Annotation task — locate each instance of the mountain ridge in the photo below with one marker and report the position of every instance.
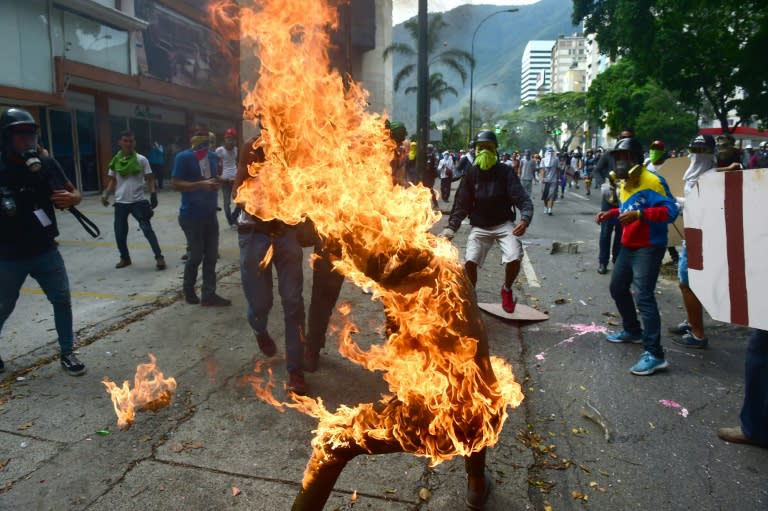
(499, 49)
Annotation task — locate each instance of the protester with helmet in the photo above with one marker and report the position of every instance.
(227, 171)
(31, 187)
(488, 195)
(646, 206)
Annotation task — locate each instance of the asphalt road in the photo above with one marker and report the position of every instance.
(660, 451)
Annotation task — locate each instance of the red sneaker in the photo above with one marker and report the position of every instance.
(507, 300)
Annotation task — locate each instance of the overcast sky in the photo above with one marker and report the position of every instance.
(405, 9)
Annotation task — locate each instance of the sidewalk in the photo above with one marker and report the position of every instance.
(217, 438)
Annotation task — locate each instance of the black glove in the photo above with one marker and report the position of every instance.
(153, 200)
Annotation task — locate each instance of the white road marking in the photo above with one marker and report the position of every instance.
(530, 274)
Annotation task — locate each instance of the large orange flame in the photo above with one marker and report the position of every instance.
(328, 159)
(151, 392)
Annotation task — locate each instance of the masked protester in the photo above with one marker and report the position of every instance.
(127, 172)
(488, 195)
(645, 208)
(656, 156)
(194, 175)
(31, 187)
(702, 160)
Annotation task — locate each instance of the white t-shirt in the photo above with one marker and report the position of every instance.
(228, 162)
(130, 189)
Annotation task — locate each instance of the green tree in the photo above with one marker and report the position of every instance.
(437, 88)
(621, 97)
(451, 58)
(695, 48)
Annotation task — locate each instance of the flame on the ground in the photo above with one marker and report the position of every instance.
(328, 159)
(151, 392)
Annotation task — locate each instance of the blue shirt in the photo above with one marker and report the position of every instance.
(196, 203)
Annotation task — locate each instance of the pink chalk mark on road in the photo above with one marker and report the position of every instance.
(580, 329)
(675, 405)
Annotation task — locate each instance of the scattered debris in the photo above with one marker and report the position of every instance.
(578, 495)
(590, 412)
(236, 491)
(425, 494)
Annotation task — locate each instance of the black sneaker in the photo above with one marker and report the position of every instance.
(72, 365)
(266, 343)
(215, 301)
(191, 298)
(680, 329)
(2, 365)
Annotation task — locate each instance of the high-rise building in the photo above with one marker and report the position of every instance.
(569, 64)
(536, 70)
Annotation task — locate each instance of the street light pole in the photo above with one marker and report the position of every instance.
(472, 65)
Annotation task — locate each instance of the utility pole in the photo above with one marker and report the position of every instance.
(422, 101)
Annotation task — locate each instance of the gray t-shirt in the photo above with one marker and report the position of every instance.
(529, 168)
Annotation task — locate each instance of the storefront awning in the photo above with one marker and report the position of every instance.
(143, 89)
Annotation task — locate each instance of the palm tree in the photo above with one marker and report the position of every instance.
(452, 58)
(437, 88)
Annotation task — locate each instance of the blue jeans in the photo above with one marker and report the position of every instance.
(609, 227)
(326, 287)
(142, 212)
(287, 258)
(754, 412)
(639, 266)
(226, 199)
(202, 235)
(49, 271)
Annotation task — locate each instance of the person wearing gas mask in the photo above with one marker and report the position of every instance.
(645, 208)
(127, 172)
(31, 187)
(194, 175)
(488, 195)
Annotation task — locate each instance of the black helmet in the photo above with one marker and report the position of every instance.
(633, 146)
(703, 144)
(487, 136)
(14, 117)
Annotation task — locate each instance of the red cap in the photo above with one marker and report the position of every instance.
(657, 144)
(230, 133)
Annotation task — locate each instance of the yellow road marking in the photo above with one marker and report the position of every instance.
(94, 294)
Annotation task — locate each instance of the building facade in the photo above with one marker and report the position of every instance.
(536, 73)
(89, 69)
(569, 64)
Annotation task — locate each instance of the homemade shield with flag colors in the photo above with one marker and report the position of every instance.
(726, 235)
(328, 159)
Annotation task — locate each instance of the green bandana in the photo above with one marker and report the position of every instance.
(486, 159)
(655, 155)
(125, 165)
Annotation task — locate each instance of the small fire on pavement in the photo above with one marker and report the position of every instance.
(151, 392)
(328, 159)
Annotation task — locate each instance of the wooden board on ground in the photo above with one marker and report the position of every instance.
(522, 312)
(673, 170)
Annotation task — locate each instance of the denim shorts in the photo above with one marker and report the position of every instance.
(682, 266)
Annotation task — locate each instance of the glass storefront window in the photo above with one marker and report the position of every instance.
(84, 40)
(25, 49)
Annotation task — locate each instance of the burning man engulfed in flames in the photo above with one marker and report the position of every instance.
(327, 159)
